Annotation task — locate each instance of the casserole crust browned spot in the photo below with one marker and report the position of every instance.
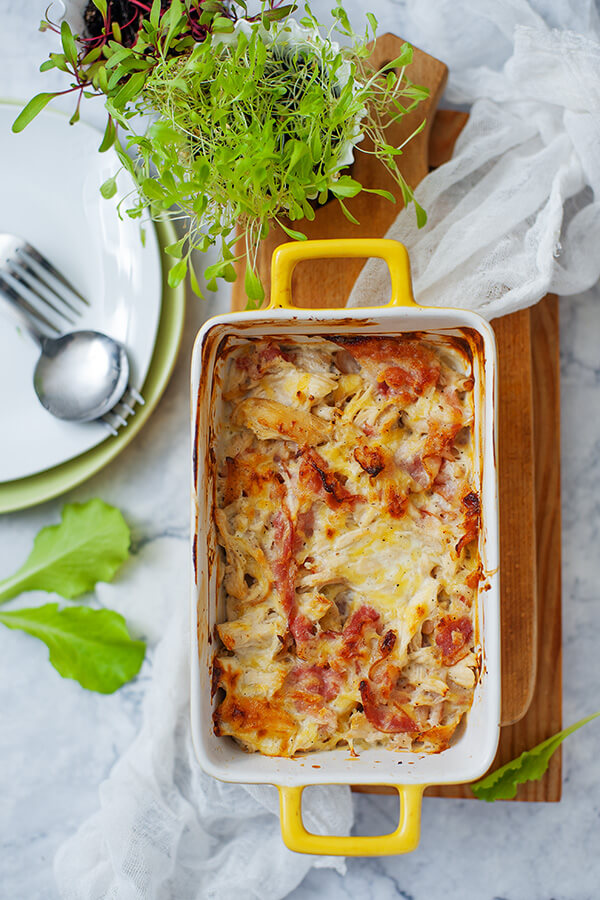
(347, 513)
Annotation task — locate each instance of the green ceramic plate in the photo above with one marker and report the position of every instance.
(44, 485)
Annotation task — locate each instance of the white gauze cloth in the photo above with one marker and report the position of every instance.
(515, 213)
(165, 830)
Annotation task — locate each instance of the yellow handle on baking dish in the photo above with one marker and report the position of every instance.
(404, 839)
(287, 256)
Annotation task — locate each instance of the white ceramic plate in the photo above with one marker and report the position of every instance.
(50, 177)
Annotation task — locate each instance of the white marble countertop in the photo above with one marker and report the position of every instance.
(54, 758)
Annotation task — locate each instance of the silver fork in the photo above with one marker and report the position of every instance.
(29, 279)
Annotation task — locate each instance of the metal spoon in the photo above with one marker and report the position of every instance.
(79, 376)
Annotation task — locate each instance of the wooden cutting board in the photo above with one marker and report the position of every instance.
(544, 714)
(528, 463)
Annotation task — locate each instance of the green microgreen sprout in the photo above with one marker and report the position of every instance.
(253, 118)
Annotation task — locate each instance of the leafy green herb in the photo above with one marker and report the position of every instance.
(256, 116)
(92, 646)
(108, 188)
(529, 766)
(89, 545)
(29, 112)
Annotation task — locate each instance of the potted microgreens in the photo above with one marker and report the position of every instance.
(253, 118)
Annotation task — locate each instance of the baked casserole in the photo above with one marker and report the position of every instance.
(347, 506)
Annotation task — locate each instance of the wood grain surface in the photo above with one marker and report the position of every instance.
(446, 128)
(544, 716)
(518, 580)
(528, 452)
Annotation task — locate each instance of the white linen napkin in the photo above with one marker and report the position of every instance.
(515, 213)
(165, 829)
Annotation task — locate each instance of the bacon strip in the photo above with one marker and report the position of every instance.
(321, 681)
(285, 568)
(303, 630)
(382, 716)
(411, 367)
(454, 638)
(354, 629)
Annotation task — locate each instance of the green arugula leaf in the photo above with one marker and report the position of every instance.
(129, 90)
(155, 13)
(280, 12)
(102, 79)
(177, 273)
(421, 214)
(172, 21)
(56, 61)
(347, 213)
(253, 287)
(345, 187)
(372, 21)
(212, 6)
(68, 43)
(109, 188)
(299, 150)
(529, 766)
(29, 112)
(176, 249)
(101, 7)
(153, 190)
(222, 25)
(125, 160)
(92, 646)
(91, 56)
(89, 545)
(110, 134)
(120, 53)
(194, 283)
(296, 235)
(380, 193)
(341, 15)
(405, 58)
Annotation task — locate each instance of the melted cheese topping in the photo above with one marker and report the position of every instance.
(347, 513)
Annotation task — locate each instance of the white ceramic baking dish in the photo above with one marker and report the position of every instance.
(473, 751)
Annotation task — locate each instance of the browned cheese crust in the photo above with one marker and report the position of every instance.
(347, 513)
